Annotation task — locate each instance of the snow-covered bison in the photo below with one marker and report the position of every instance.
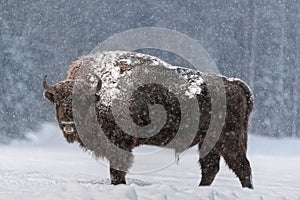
(95, 81)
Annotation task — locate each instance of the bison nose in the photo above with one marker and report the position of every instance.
(68, 127)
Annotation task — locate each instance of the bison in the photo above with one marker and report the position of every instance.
(99, 79)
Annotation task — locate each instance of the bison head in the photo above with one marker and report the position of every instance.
(62, 95)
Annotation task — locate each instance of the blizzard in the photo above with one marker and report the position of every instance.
(46, 167)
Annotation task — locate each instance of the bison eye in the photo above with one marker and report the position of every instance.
(68, 100)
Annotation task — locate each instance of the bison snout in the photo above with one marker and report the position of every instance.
(68, 127)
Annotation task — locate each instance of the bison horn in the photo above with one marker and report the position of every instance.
(46, 86)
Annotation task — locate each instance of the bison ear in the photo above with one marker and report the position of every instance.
(49, 96)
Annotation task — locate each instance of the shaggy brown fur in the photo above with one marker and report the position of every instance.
(231, 145)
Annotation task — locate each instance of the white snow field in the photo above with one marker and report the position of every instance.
(49, 168)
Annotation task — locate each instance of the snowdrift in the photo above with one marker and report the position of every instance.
(46, 167)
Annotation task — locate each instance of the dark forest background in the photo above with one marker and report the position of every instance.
(257, 41)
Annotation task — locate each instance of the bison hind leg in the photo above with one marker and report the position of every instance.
(240, 165)
(210, 166)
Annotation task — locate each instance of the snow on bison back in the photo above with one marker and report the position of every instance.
(87, 114)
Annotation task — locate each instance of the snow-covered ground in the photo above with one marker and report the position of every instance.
(48, 168)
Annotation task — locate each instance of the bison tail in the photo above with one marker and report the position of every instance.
(250, 104)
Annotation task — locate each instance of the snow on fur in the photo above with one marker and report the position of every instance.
(111, 66)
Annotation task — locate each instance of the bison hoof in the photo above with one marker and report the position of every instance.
(117, 182)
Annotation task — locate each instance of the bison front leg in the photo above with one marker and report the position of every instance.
(119, 167)
(117, 176)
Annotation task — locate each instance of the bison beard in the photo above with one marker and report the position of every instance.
(231, 145)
